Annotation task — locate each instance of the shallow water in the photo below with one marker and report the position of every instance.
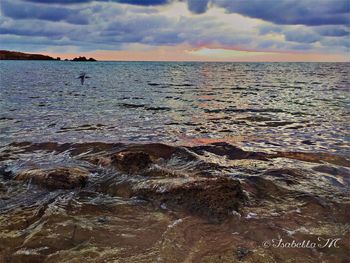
(186, 162)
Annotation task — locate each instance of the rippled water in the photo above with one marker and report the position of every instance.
(180, 162)
(265, 105)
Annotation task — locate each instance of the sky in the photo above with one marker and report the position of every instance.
(174, 30)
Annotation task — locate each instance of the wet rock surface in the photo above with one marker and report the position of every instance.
(57, 178)
(144, 203)
(229, 151)
(131, 162)
(214, 198)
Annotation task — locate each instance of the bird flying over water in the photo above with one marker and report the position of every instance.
(82, 78)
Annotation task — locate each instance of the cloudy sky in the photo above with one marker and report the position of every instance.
(206, 30)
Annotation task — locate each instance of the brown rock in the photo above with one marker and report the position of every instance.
(103, 161)
(131, 162)
(230, 151)
(315, 157)
(120, 188)
(155, 150)
(214, 198)
(287, 175)
(57, 178)
(264, 188)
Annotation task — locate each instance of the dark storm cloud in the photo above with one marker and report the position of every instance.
(107, 25)
(59, 1)
(143, 2)
(302, 36)
(311, 34)
(336, 41)
(291, 12)
(197, 6)
(284, 12)
(333, 31)
(299, 34)
(35, 28)
(18, 10)
(131, 2)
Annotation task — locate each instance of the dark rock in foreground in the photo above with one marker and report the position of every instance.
(57, 178)
(131, 162)
(136, 159)
(213, 198)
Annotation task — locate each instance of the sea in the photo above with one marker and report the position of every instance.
(185, 161)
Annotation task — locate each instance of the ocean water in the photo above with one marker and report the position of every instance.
(174, 162)
(299, 106)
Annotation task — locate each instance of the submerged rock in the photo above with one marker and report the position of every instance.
(286, 175)
(315, 157)
(131, 162)
(154, 150)
(57, 178)
(213, 198)
(263, 188)
(230, 151)
(100, 160)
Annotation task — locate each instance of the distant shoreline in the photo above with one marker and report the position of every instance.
(15, 55)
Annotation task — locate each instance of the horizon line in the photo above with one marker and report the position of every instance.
(99, 57)
(179, 61)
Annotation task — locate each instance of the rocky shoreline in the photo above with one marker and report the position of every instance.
(14, 55)
(228, 198)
